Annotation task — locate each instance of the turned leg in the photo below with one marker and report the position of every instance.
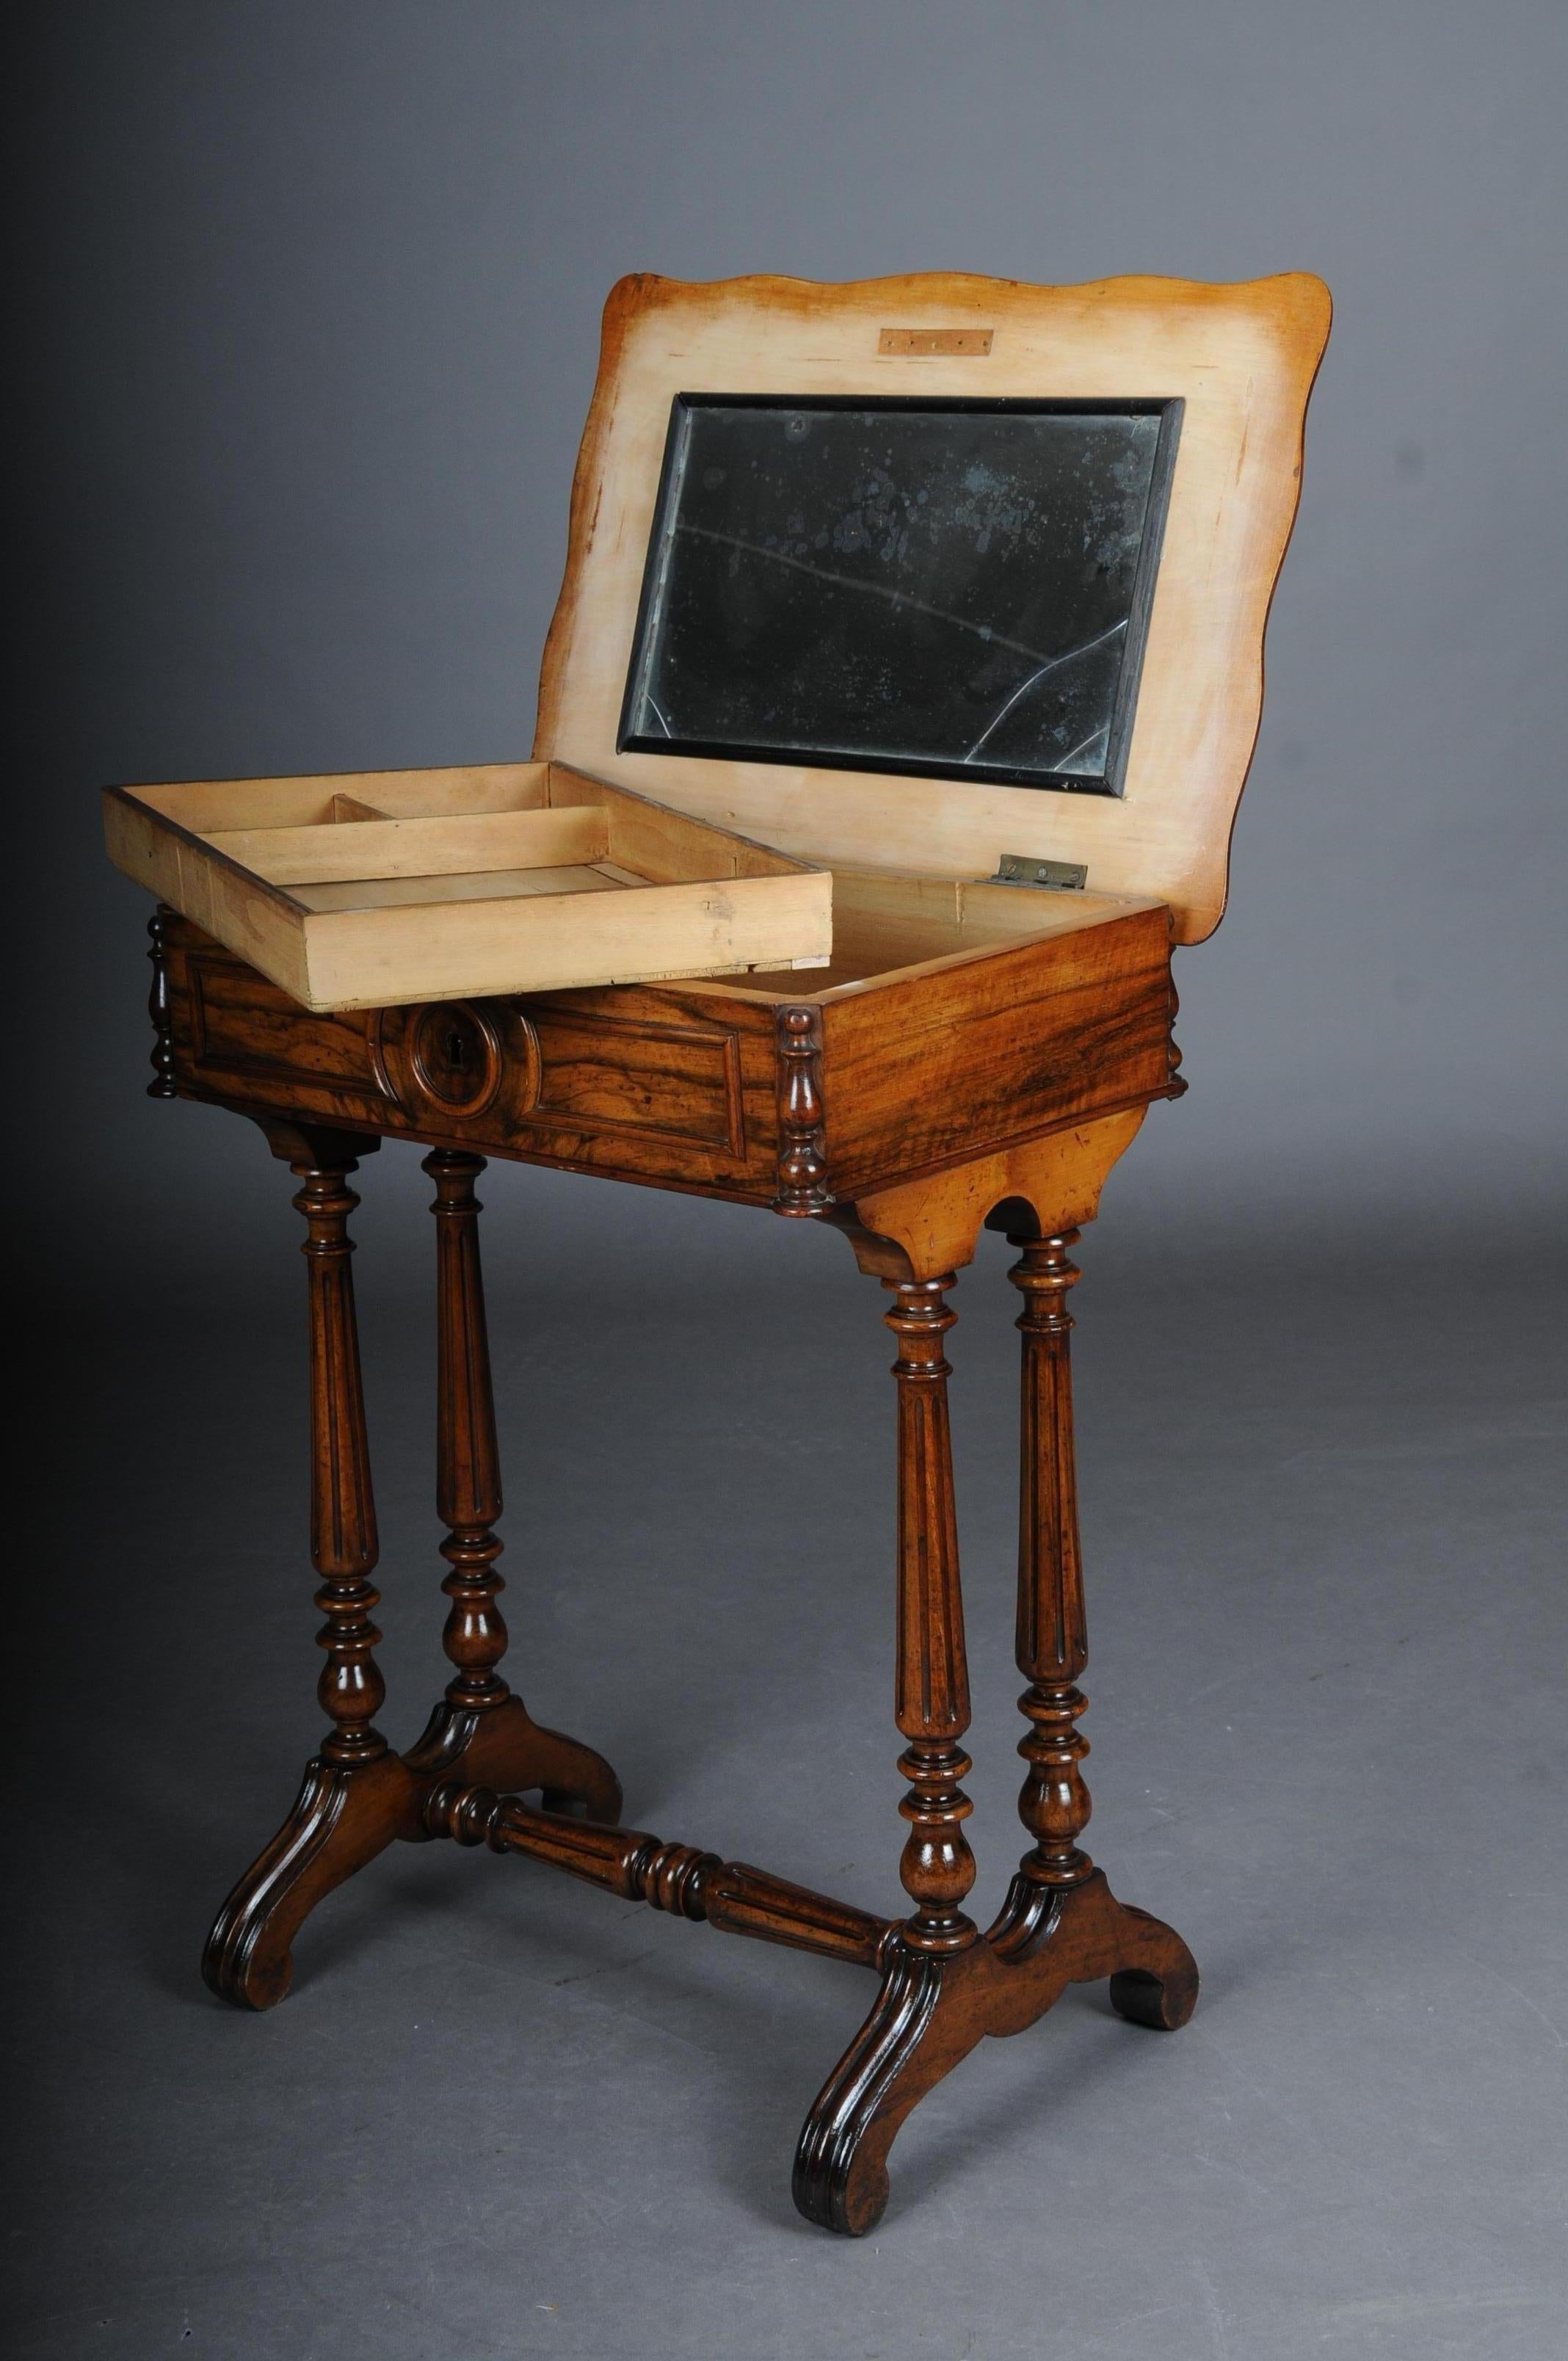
(931, 1680)
(1052, 1651)
(356, 1792)
(1052, 1630)
(907, 2043)
(480, 1725)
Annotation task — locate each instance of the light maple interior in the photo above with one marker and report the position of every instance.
(503, 831)
(434, 836)
(887, 927)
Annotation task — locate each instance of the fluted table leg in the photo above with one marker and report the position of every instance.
(1059, 1901)
(1052, 1630)
(481, 1731)
(932, 1677)
(913, 2035)
(357, 1795)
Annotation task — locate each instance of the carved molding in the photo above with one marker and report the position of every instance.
(667, 1081)
(446, 1058)
(1173, 1048)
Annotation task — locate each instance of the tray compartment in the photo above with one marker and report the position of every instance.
(388, 888)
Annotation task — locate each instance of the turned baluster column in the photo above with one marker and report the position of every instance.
(480, 1724)
(343, 1544)
(932, 1680)
(468, 1484)
(1052, 1633)
(356, 1796)
(161, 1054)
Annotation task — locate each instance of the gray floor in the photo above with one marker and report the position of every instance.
(501, 2115)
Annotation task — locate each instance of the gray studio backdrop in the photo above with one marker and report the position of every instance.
(313, 291)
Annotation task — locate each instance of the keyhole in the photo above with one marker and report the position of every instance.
(454, 1059)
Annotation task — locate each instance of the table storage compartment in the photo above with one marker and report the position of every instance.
(399, 886)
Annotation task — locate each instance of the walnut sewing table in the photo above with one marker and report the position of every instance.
(977, 1054)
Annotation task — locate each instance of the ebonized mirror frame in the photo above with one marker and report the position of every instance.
(881, 647)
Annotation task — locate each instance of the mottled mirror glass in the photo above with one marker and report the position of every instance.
(957, 587)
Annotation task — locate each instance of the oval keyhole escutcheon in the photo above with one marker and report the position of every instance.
(455, 1057)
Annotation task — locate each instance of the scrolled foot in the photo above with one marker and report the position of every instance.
(933, 2010)
(1164, 2003)
(1154, 1980)
(917, 2030)
(343, 1816)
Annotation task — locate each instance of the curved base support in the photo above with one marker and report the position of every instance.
(932, 2011)
(501, 1746)
(345, 1814)
(916, 2032)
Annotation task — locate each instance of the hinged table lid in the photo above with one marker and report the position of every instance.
(921, 573)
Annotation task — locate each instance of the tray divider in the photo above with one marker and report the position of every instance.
(450, 844)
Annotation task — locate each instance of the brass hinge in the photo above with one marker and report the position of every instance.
(1025, 869)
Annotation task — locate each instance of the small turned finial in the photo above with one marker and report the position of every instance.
(162, 1053)
(802, 1163)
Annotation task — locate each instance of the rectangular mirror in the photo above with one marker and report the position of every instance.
(946, 587)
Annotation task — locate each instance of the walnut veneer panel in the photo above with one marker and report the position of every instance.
(652, 1085)
(681, 1085)
(1013, 1044)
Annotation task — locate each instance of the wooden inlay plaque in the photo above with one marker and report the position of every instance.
(936, 340)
